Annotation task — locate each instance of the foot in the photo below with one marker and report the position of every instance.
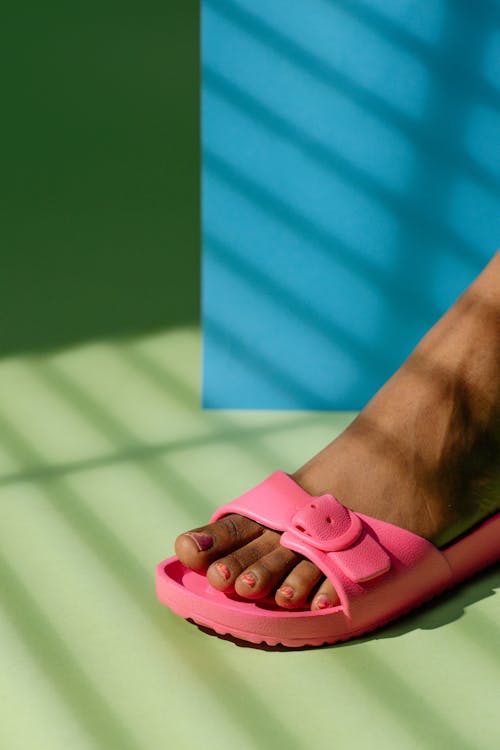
(423, 454)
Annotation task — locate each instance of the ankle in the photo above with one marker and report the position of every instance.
(461, 353)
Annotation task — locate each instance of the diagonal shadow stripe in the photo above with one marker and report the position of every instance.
(409, 706)
(276, 376)
(219, 678)
(138, 453)
(82, 698)
(81, 400)
(424, 139)
(117, 432)
(303, 227)
(322, 326)
(163, 378)
(403, 208)
(210, 670)
(471, 83)
(228, 685)
(167, 381)
(464, 34)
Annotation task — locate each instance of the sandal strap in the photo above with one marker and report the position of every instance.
(320, 528)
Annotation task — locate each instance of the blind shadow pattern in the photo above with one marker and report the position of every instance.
(90, 517)
(350, 157)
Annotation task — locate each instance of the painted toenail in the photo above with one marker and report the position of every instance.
(202, 541)
(287, 592)
(223, 570)
(322, 602)
(249, 579)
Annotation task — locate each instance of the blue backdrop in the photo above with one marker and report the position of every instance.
(351, 177)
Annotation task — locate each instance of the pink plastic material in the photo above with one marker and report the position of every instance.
(326, 524)
(379, 570)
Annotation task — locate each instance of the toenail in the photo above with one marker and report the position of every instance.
(223, 570)
(322, 602)
(249, 579)
(286, 591)
(203, 541)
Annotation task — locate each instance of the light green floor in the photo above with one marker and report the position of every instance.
(104, 458)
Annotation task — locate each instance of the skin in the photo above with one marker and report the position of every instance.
(423, 454)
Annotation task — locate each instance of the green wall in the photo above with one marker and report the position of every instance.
(100, 205)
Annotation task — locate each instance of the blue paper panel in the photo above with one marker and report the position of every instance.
(351, 184)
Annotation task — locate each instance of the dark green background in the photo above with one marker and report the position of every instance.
(100, 141)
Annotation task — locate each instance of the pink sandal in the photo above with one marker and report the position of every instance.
(379, 570)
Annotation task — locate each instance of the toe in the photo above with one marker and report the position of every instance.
(198, 548)
(223, 573)
(265, 574)
(325, 597)
(298, 585)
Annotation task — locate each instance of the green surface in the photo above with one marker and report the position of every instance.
(104, 457)
(99, 197)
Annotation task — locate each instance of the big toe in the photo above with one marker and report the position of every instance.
(198, 548)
